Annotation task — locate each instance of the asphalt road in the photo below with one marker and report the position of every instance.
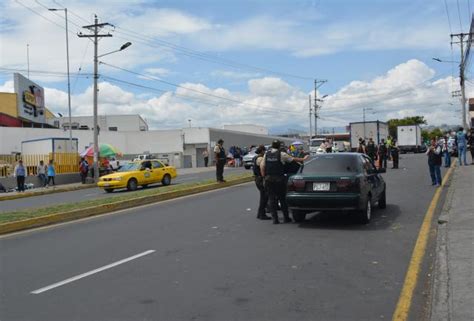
(96, 193)
(213, 260)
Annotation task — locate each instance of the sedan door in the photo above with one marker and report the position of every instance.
(159, 171)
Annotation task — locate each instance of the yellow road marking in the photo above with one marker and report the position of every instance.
(411, 278)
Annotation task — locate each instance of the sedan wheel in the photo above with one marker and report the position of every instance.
(132, 184)
(298, 216)
(365, 214)
(166, 180)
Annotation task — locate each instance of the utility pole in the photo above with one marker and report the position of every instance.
(461, 37)
(95, 28)
(310, 122)
(317, 83)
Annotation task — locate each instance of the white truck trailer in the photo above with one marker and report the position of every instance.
(409, 139)
(376, 130)
(48, 145)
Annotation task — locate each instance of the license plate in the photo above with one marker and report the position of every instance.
(321, 187)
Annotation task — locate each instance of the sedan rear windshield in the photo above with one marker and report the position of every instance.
(331, 164)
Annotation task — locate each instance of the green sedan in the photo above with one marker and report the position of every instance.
(337, 182)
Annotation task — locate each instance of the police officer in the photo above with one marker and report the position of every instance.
(395, 153)
(221, 158)
(259, 182)
(272, 169)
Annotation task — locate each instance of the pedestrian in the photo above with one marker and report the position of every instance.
(434, 162)
(237, 155)
(259, 182)
(41, 172)
(205, 154)
(83, 169)
(51, 172)
(371, 149)
(221, 158)
(361, 149)
(382, 154)
(272, 169)
(389, 147)
(20, 173)
(328, 146)
(446, 152)
(471, 145)
(395, 153)
(461, 139)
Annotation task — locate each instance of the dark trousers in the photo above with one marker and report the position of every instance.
(383, 161)
(51, 179)
(276, 189)
(20, 182)
(83, 177)
(220, 170)
(395, 159)
(206, 161)
(435, 173)
(42, 178)
(263, 197)
(447, 159)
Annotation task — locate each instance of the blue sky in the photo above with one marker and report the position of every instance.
(374, 54)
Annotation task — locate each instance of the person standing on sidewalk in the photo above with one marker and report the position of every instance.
(395, 153)
(434, 162)
(51, 172)
(259, 182)
(471, 144)
(41, 171)
(20, 173)
(221, 158)
(83, 169)
(205, 154)
(446, 152)
(461, 140)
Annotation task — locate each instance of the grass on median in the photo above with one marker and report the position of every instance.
(66, 207)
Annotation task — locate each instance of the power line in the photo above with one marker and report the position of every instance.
(447, 14)
(459, 14)
(154, 41)
(187, 88)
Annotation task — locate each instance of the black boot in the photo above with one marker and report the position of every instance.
(263, 217)
(287, 219)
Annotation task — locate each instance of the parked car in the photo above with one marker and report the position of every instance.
(248, 158)
(138, 173)
(337, 182)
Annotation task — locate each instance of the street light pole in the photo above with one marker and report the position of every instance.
(68, 77)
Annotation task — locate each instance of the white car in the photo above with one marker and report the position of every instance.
(248, 158)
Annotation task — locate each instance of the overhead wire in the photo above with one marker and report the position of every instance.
(459, 14)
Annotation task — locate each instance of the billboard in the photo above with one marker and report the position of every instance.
(30, 99)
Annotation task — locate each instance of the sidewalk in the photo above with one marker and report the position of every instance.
(45, 190)
(453, 285)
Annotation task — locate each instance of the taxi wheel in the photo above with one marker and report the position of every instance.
(132, 184)
(109, 190)
(166, 180)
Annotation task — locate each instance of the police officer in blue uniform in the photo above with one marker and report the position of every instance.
(273, 170)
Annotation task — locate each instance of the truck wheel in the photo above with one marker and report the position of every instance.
(132, 184)
(247, 167)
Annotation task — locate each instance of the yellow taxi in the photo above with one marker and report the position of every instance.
(138, 173)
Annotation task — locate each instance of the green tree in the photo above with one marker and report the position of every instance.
(394, 123)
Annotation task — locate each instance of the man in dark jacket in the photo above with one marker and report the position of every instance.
(434, 162)
(371, 150)
(260, 183)
(382, 154)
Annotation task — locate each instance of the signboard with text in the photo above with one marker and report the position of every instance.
(30, 99)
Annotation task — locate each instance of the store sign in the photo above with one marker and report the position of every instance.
(30, 99)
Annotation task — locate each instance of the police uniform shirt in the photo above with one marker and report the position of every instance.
(284, 157)
(217, 149)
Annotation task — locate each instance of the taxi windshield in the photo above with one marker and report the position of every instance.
(129, 167)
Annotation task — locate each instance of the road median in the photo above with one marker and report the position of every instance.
(27, 219)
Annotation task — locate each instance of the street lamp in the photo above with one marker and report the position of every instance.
(96, 125)
(68, 77)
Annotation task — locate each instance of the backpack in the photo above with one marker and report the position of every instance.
(84, 167)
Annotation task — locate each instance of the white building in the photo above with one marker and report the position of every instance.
(248, 128)
(178, 147)
(114, 123)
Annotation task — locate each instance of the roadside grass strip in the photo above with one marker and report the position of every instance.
(405, 300)
(29, 218)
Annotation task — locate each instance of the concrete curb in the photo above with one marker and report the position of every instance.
(11, 227)
(45, 192)
(440, 302)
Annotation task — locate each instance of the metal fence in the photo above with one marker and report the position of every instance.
(63, 163)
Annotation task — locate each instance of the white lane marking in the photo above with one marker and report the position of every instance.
(80, 276)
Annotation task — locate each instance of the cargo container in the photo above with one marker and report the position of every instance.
(376, 130)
